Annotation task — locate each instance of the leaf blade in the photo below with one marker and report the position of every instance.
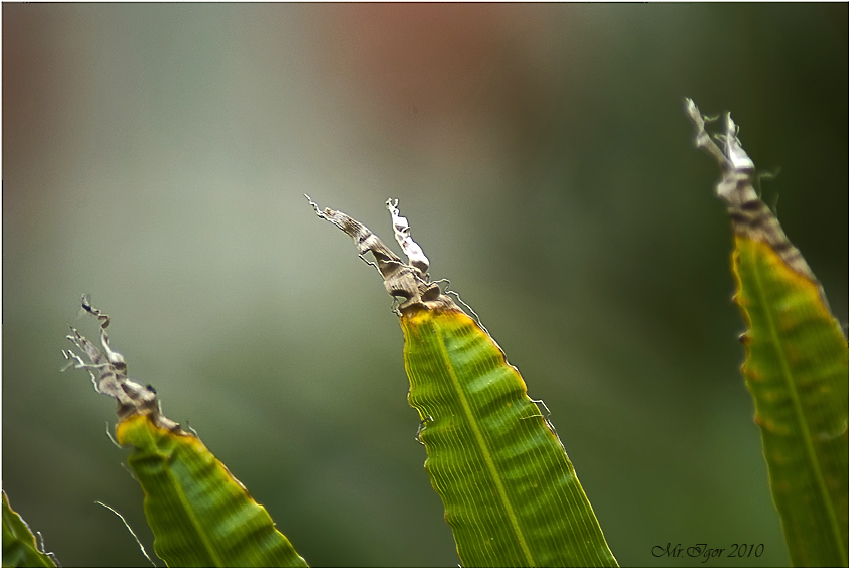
(796, 370)
(200, 514)
(510, 492)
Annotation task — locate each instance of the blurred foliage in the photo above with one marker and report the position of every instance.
(155, 156)
(796, 370)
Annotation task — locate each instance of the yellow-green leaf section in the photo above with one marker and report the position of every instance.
(511, 495)
(19, 546)
(797, 372)
(200, 514)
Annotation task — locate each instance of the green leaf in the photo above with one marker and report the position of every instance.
(511, 495)
(510, 492)
(796, 366)
(19, 546)
(200, 514)
(797, 372)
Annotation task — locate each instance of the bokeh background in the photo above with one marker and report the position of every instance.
(155, 156)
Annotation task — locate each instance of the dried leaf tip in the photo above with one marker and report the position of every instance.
(751, 218)
(408, 284)
(401, 228)
(108, 372)
(736, 166)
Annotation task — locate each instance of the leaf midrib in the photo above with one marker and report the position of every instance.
(789, 377)
(484, 450)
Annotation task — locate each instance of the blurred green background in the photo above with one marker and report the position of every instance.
(155, 157)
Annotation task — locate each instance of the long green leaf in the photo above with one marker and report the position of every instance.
(200, 514)
(510, 493)
(19, 546)
(796, 366)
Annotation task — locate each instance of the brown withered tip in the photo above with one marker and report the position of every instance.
(751, 218)
(409, 284)
(108, 372)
